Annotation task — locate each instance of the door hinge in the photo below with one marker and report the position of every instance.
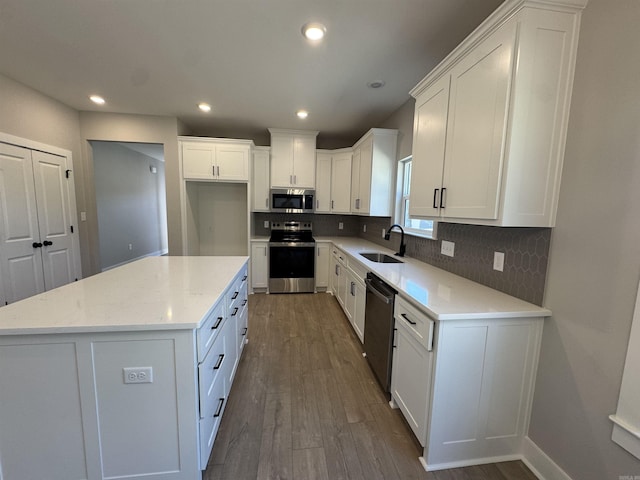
(71, 228)
(66, 173)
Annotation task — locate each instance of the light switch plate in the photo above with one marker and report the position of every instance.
(447, 248)
(498, 261)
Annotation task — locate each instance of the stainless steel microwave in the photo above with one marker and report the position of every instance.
(292, 200)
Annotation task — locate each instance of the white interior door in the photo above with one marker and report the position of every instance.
(54, 219)
(20, 261)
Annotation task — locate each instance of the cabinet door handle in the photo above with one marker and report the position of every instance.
(407, 319)
(235, 295)
(432, 327)
(337, 270)
(36, 245)
(220, 404)
(244, 331)
(295, 179)
(266, 202)
(352, 289)
(317, 204)
(331, 204)
(442, 197)
(393, 343)
(435, 197)
(235, 311)
(244, 302)
(47, 243)
(213, 170)
(219, 362)
(291, 179)
(244, 277)
(217, 323)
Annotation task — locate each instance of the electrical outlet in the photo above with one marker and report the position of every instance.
(266, 224)
(364, 228)
(383, 232)
(130, 246)
(447, 248)
(83, 216)
(138, 374)
(498, 261)
(340, 226)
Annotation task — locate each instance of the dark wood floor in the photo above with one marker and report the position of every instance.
(304, 405)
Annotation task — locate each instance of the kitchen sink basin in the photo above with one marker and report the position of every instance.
(380, 257)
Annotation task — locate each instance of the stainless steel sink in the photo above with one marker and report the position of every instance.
(380, 257)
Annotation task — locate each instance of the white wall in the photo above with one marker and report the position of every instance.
(132, 128)
(594, 264)
(131, 204)
(402, 120)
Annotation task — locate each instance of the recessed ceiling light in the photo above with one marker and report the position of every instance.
(97, 99)
(302, 114)
(205, 107)
(314, 31)
(376, 84)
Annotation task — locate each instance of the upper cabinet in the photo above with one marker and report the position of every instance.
(490, 121)
(293, 158)
(333, 181)
(260, 179)
(372, 173)
(218, 159)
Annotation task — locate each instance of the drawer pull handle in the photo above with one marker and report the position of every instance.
(244, 331)
(217, 323)
(407, 319)
(244, 278)
(235, 295)
(219, 409)
(235, 310)
(244, 302)
(219, 362)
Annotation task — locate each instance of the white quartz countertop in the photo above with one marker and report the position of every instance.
(155, 293)
(440, 294)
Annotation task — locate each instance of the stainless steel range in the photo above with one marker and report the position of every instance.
(291, 257)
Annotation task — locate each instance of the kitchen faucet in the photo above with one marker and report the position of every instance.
(403, 246)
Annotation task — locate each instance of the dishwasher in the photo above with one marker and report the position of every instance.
(378, 328)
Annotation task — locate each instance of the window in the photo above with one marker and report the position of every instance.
(414, 226)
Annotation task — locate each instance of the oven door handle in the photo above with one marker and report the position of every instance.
(292, 244)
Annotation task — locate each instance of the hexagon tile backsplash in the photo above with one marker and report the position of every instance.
(526, 252)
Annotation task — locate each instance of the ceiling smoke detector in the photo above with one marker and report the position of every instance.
(376, 84)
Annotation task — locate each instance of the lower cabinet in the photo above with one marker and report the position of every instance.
(259, 265)
(322, 265)
(220, 341)
(347, 284)
(464, 386)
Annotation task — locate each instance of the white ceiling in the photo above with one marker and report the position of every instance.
(247, 58)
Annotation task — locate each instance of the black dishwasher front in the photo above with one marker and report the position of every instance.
(378, 328)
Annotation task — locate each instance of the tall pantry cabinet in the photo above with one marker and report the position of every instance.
(39, 248)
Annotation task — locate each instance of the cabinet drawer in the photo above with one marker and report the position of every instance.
(209, 330)
(211, 377)
(358, 270)
(419, 325)
(208, 427)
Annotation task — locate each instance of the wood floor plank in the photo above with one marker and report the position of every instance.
(375, 459)
(515, 470)
(329, 400)
(310, 464)
(305, 421)
(276, 455)
(341, 454)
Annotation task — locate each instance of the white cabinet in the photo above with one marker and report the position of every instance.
(39, 248)
(464, 386)
(490, 121)
(372, 173)
(412, 366)
(215, 159)
(347, 284)
(293, 157)
(333, 181)
(260, 180)
(322, 264)
(259, 265)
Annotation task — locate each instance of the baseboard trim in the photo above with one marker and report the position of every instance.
(540, 463)
(467, 463)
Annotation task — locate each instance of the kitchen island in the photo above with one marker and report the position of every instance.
(124, 374)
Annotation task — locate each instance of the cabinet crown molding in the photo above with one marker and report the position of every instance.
(503, 13)
(377, 132)
(235, 141)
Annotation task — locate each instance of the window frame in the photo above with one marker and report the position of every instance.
(402, 200)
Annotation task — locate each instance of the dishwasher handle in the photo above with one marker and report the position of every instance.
(372, 288)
